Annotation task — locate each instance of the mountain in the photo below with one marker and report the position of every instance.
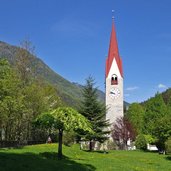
(70, 93)
(101, 94)
(166, 97)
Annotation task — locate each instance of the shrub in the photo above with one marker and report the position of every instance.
(150, 139)
(141, 142)
(111, 145)
(168, 146)
(68, 138)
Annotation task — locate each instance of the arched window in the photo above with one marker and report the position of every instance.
(114, 79)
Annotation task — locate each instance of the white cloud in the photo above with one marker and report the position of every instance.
(162, 86)
(132, 88)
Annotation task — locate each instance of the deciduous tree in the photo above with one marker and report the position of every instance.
(64, 118)
(155, 109)
(122, 132)
(162, 131)
(135, 115)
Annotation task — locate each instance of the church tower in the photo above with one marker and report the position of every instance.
(114, 80)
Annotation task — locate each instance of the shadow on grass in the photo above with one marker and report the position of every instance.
(168, 158)
(97, 151)
(46, 161)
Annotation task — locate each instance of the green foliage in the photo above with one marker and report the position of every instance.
(45, 120)
(141, 142)
(63, 118)
(162, 131)
(150, 139)
(156, 119)
(168, 146)
(20, 103)
(69, 138)
(67, 118)
(111, 145)
(135, 114)
(11, 101)
(169, 105)
(155, 109)
(94, 111)
(41, 97)
(166, 96)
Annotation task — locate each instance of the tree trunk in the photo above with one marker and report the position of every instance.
(125, 145)
(1, 134)
(90, 145)
(60, 144)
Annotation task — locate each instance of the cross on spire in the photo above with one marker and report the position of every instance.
(113, 14)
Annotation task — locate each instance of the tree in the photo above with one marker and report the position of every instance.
(162, 131)
(155, 109)
(95, 112)
(24, 60)
(135, 115)
(39, 97)
(63, 118)
(157, 120)
(141, 142)
(5, 75)
(169, 105)
(21, 103)
(168, 146)
(11, 100)
(122, 132)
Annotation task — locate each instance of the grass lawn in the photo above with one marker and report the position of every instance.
(44, 158)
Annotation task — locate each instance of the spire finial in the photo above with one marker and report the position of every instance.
(113, 14)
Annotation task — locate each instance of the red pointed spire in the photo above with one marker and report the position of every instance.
(113, 53)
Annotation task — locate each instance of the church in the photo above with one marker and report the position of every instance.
(114, 80)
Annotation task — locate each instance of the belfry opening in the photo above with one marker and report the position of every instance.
(114, 80)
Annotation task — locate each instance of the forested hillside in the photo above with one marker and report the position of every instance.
(152, 120)
(69, 92)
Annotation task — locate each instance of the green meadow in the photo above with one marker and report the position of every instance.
(44, 158)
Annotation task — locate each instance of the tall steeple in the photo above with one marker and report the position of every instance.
(114, 80)
(113, 52)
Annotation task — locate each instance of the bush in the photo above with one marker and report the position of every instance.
(168, 146)
(69, 138)
(111, 145)
(141, 142)
(150, 139)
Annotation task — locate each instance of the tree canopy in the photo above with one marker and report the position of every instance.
(64, 118)
(135, 114)
(21, 103)
(152, 118)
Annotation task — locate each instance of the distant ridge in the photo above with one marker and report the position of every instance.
(70, 93)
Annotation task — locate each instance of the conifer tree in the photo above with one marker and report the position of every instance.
(94, 111)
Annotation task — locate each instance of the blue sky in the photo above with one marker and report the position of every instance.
(72, 37)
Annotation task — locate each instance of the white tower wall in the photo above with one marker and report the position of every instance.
(114, 95)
